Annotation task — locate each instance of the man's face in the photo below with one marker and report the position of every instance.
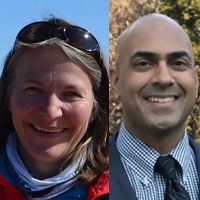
(156, 79)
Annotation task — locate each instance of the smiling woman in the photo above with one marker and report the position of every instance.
(54, 115)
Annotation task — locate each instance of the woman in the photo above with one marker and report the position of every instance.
(54, 115)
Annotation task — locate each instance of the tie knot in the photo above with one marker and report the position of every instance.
(165, 165)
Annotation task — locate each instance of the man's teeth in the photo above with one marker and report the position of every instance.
(161, 100)
(48, 130)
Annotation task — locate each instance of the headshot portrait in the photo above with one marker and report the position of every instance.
(54, 100)
(154, 151)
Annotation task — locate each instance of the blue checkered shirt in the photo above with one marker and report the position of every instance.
(139, 160)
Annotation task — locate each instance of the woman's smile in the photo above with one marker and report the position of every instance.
(48, 130)
(56, 103)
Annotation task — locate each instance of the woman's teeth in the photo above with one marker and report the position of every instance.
(48, 130)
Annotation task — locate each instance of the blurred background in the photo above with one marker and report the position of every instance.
(185, 12)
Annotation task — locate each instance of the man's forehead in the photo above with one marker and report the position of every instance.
(153, 23)
(153, 31)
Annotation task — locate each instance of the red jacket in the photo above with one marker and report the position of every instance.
(98, 188)
(95, 191)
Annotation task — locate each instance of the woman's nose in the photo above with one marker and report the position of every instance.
(51, 108)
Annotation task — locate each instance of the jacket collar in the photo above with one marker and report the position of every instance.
(120, 187)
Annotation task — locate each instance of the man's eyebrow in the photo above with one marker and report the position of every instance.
(152, 55)
(178, 54)
(143, 54)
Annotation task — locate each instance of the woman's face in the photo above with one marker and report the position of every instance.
(51, 104)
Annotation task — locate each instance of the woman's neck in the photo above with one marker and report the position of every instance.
(40, 169)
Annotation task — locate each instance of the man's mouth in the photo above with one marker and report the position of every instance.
(161, 99)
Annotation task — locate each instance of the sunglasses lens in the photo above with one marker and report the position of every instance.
(36, 32)
(75, 36)
(81, 39)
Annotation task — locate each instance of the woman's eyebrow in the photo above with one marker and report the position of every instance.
(26, 81)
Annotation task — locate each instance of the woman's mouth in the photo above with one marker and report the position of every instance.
(48, 130)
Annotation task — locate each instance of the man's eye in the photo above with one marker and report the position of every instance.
(33, 91)
(179, 65)
(142, 65)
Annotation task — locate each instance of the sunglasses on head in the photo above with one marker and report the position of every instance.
(73, 35)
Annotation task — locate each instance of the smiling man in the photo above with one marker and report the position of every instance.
(156, 79)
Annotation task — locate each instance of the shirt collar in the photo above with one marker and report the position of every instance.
(134, 153)
(182, 153)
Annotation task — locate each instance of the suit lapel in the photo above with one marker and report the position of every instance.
(196, 150)
(120, 187)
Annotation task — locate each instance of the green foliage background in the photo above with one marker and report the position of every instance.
(185, 12)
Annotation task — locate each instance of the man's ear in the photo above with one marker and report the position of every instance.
(197, 80)
(114, 81)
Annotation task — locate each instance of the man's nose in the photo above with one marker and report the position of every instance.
(163, 75)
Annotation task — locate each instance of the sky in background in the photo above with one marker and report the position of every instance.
(92, 15)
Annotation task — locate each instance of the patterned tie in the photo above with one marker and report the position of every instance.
(165, 165)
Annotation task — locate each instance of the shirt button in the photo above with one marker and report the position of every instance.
(184, 179)
(146, 182)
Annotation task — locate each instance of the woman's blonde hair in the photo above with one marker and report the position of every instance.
(94, 144)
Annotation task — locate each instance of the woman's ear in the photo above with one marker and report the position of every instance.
(94, 112)
(8, 106)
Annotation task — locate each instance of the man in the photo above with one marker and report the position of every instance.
(152, 157)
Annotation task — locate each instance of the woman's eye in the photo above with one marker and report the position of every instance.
(33, 91)
(71, 94)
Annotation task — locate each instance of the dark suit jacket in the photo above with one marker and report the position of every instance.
(120, 187)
